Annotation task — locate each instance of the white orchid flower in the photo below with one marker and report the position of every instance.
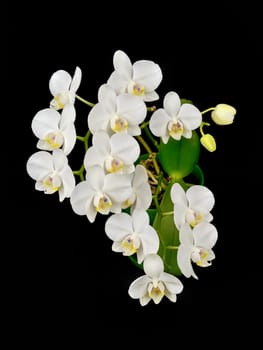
(140, 79)
(156, 283)
(63, 87)
(175, 120)
(122, 113)
(115, 154)
(100, 193)
(192, 206)
(55, 130)
(141, 196)
(196, 246)
(52, 173)
(132, 234)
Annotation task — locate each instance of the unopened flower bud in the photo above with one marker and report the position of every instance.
(223, 114)
(208, 141)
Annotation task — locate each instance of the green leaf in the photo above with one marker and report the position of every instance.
(168, 233)
(178, 158)
(185, 100)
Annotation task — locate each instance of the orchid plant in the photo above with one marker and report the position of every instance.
(136, 168)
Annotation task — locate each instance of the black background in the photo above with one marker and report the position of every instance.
(63, 269)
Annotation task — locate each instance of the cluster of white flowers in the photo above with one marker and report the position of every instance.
(116, 178)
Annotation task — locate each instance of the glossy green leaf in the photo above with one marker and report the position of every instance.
(178, 158)
(168, 234)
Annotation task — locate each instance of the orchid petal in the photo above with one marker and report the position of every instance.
(153, 265)
(98, 118)
(186, 235)
(138, 288)
(159, 123)
(132, 108)
(125, 147)
(68, 181)
(140, 220)
(101, 142)
(178, 195)
(147, 74)
(190, 116)
(70, 138)
(117, 186)
(39, 165)
(172, 103)
(179, 215)
(96, 178)
(118, 226)
(150, 96)
(122, 64)
(68, 115)
(205, 235)
(201, 197)
(93, 158)
(76, 80)
(59, 82)
(172, 283)
(60, 160)
(107, 96)
(118, 82)
(184, 261)
(150, 241)
(45, 121)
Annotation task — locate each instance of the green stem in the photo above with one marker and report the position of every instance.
(80, 172)
(150, 137)
(148, 149)
(208, 110)
(156, 203)
(144, 125)
(85, 139)
(151, 108)
(85, 101)
(201, 127)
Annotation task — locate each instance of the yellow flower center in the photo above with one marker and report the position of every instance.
(114, 166)
(128, 246)
(138, 90)
(197, 218)
(104, 204)
(156, 291)
(176, 128)
(54, 139)
(119, 125)
(59, 103)
(200, 256)
(51, 184)
(203, 258)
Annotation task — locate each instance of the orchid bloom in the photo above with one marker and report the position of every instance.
(63, 87)
(115, 154)
(114, 114)
(140, 79)
(100, 193)
(132, 234)
(175, 120)
(141, 196)
(192, 206)
(55, 130)
(52, 173)
(196, 246)
(156, 283)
